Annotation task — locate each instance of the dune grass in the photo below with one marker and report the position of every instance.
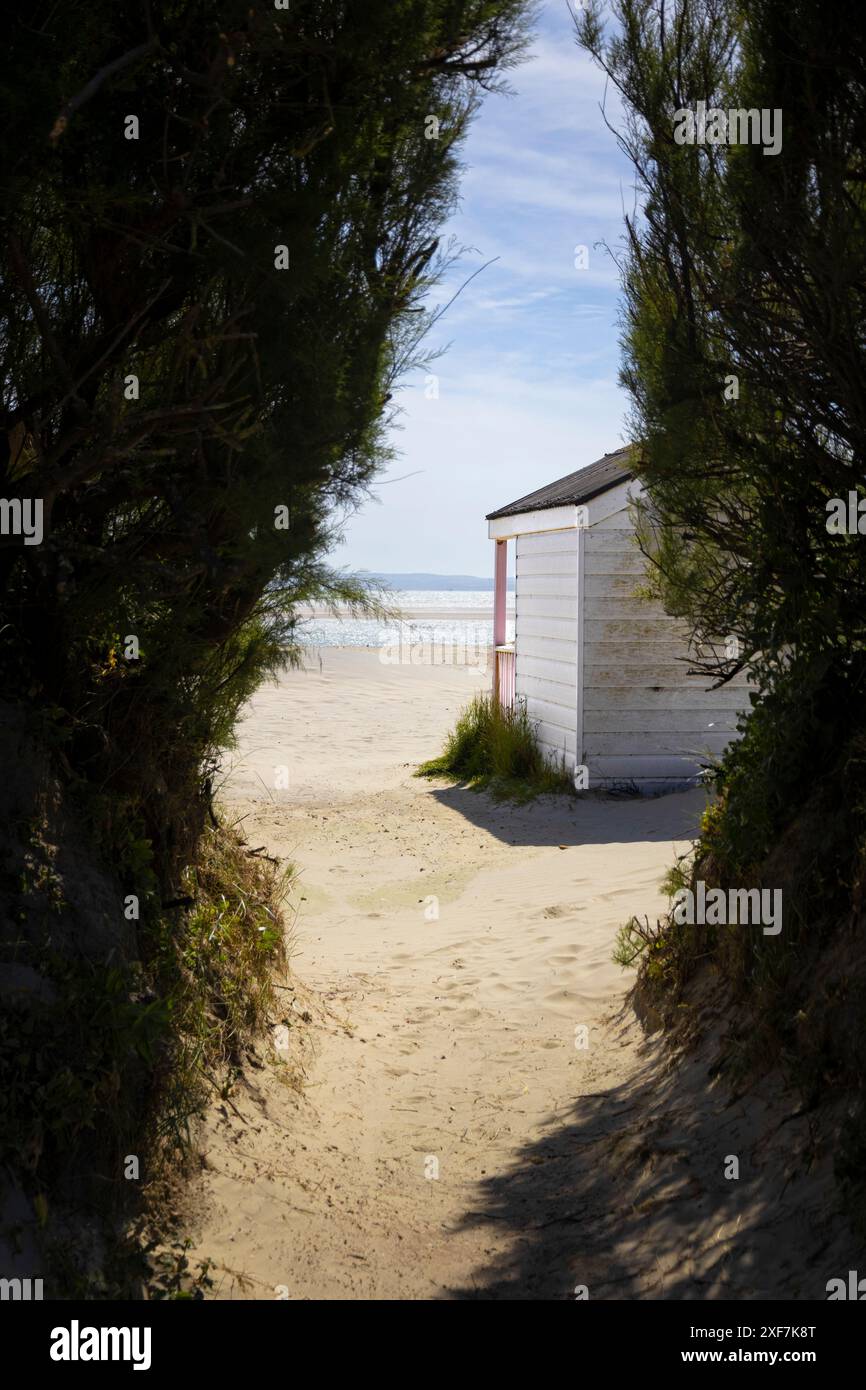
(112, 1062)
(497, 750)
(217, 966)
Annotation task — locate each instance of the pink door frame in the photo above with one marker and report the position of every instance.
(503, 661)
(500, 586)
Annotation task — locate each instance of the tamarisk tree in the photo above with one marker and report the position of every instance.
(218, 225)
(745, 351)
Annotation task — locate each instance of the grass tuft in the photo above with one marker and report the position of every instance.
(217, 967)
(497, 750)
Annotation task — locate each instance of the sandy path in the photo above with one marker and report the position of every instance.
(451, 1140)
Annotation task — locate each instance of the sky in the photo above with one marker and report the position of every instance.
(527, 389)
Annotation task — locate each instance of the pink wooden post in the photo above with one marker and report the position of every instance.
(500, 583)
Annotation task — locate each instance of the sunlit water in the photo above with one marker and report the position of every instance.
(443, 628)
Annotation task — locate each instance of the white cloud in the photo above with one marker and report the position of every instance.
(528, 389)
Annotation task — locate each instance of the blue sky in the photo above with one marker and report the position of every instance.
(527, 388)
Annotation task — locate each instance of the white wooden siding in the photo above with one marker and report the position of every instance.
(604, 673)
(545, 628)
(645, 717)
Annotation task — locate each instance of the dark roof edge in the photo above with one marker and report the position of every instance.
(551, 506)
(536, 502)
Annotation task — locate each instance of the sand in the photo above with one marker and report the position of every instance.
(466, 1108)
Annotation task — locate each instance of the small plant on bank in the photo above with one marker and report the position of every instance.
(497, 750)
(217, 967)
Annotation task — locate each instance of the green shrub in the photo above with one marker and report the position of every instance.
(216, 968)
(497, 750)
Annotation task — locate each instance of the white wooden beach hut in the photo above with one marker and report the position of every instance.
(604, 674)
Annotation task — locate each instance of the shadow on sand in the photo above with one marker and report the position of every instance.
(592, 819)
(628, 1196)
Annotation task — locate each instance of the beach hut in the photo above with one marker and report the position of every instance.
(604, 674)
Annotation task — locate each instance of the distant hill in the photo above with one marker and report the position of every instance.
(434, 581)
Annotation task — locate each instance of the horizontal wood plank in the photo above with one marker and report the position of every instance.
(555, 742)
(548, 649)
(655, 743)
(684, 721)
(610, 541)
(624, 697)
(552, 543)
(554, 563)
(562, 693)
(563, 715)
(647, 629)
(641, 768)
(613, 587)
(546, 606)
(557, 585)
(651, 672)
(559, 629)
(621, 608)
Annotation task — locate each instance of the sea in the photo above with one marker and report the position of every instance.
(439, 618)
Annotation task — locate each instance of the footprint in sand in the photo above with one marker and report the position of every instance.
(469, 1015)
